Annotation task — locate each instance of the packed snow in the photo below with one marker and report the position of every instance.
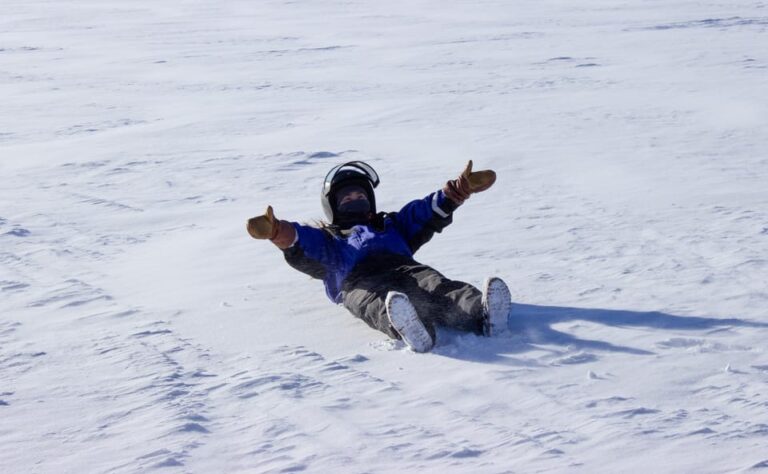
(143, 330)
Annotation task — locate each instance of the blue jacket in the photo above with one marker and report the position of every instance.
(333, 256)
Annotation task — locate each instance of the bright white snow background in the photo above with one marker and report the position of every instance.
(141, 328)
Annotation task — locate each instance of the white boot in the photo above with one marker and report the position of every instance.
(403, 317)
(497, 302)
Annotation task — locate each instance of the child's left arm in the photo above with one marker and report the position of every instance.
(418, 220)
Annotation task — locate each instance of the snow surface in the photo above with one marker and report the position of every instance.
(141, 329)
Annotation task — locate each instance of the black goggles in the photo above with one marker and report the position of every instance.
(356, 167)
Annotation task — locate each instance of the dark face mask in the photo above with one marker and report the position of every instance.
(353, 213)
(356, 207)
(353, 207)
(352, 199)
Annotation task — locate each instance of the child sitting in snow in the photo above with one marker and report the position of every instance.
(365, 258)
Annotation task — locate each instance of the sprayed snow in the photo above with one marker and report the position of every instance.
(142, 329)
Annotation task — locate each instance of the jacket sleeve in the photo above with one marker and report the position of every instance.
(418, 220)
(313, 253)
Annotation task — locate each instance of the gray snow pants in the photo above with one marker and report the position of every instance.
(437, 300)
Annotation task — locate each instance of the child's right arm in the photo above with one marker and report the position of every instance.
(307, 249)
(315, 252)
(281, 233)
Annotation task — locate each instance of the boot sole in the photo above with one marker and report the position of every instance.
(497, 301)
(402, 315)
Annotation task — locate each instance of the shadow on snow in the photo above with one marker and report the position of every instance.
(530, 328)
